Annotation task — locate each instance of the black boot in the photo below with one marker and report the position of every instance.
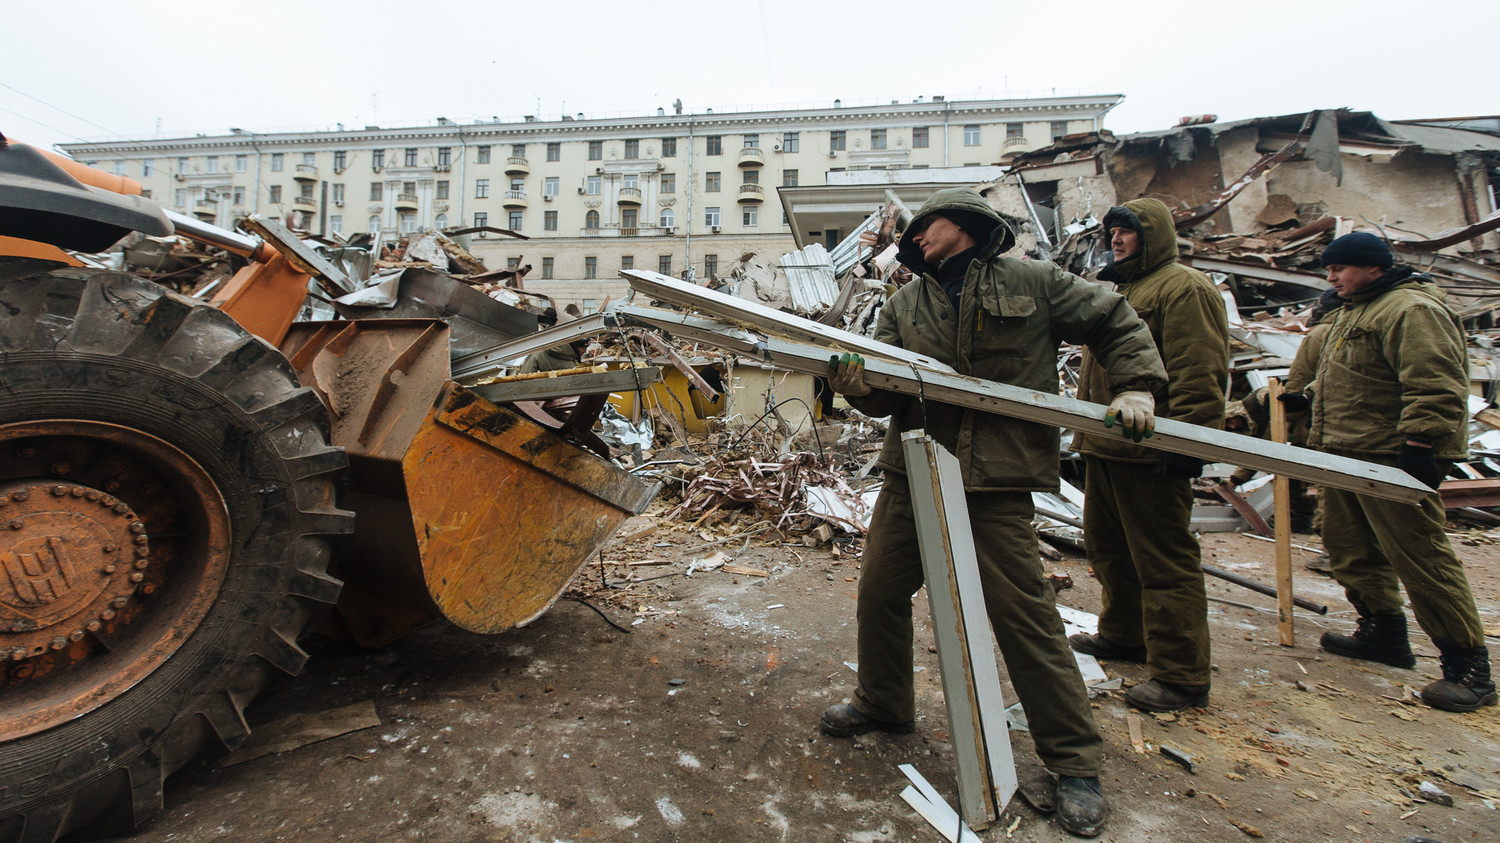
(1379, 638)
(1466, 684)
(1080, 805)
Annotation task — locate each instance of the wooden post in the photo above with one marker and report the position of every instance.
(1281, 490)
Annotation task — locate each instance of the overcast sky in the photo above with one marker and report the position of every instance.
(105, 69)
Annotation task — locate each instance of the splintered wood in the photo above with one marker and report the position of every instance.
(774, 489)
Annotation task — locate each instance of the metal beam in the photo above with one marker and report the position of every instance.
(482, 364)
(1259, 271)
(708, 331)
(668, 289)
(564, 386)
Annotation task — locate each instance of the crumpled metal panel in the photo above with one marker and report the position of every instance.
(811, 276)
(846, 254)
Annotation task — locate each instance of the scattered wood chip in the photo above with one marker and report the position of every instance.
(1137, 741)
(745, 572)
(1307, 794)
(299, 730)
(1246, 827)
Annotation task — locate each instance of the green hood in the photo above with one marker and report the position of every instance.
(966, 202)
(1158, 233)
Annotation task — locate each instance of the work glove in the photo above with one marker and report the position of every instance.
(1178, 466)
(1417, 460)
(1295, 402)
(846, 374)
(1135, 410)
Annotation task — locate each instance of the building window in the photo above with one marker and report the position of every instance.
(377, 160)
(484, 155)
(411, 158)
(590, 267)
(667, 218)
(546, 268)
(518, 150)
(711, 265)
(239, 195)
(515, 220)
(788, 178)
(711, 216)
(589, 306)
(408, 188)
(442, 190)
(310, 158)
(790, 141)
(551, 186)
(481, 218)
(631, 180)
(145, 193)
(336, 223)
(710, 182)
(877, 138)
(971, 134)
(519, 186)
(554, 151)
(664, 264)
(714, 143)
(440, 222)
(406, 223)
(179, 197)
(377, 191)
(241, 163)
(278, 162)
(275, 194)
(632, 149)
(596, 150)
(374, 224)
(146, 167)
(752, 141)
(627, 262)
(340, 160)
(591, 220)
(749, 215)
(512, 263)
(750, 177)
(629, 218)
(1059, 129)
(592, 185)
(120, 167)
(182, 165)
(338, 194)
(836, 140)
(445, 156)
(919, 137)
(306, 192)
(481, 188)
(669, 147)
(549, 220)
(668, 182)
(211, 165)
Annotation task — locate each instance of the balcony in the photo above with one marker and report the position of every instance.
(751, 156)
(517, 166)
(406, 201)
(752, 193)
(630, 196)
(1012, 147)
(206, 209)
(305, 204)
(630, 232)
(306, 172)
(514, 199)
(591, 232)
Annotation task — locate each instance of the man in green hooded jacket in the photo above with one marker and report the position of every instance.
(999, 319)
(1139, 501)
(1392, 388)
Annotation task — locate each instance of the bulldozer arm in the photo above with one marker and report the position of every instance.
(464, 508)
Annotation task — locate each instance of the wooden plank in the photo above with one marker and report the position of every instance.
(682, 366)
(1458, 494)
(1283, 494)
(562, 386)
(683, 294)
(1246, 510)
(970, 676)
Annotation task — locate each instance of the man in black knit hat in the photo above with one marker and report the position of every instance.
(1392, 388)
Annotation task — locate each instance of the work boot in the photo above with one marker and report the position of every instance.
(845, 721)
(1379, 638)
(1080, 805)
(1156, 695)
(1466, 684)
(1102, 648)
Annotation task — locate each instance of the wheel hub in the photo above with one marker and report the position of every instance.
(71, 556)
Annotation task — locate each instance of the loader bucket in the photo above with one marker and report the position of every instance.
(463, 508)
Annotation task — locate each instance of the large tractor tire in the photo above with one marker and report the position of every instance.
(167, 512)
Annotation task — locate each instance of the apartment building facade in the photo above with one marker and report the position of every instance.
(677, 193)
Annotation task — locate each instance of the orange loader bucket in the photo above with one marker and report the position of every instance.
(463, 508)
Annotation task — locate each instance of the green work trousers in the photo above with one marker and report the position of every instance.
(1139, 538)
(1021, 607)
(1375, 546)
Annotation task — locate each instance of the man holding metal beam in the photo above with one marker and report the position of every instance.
(1392, 388)
(1000, 319)
(1139, 501)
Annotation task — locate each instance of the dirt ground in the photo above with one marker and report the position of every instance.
(700, 723)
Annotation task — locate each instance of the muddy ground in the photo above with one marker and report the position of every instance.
(700, 723)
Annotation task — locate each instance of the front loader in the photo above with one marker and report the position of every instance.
(187, 487)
